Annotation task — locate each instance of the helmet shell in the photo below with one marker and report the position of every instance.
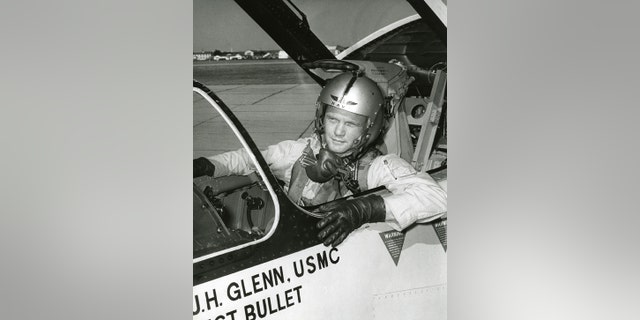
(357, 94)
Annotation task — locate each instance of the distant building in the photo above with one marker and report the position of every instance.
(282, 55)
(335, 50)
(201, 56)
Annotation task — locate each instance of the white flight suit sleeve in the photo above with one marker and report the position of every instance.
(414, 197)
(280, 158)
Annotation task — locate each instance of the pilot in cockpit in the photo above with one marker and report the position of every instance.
(340, 159)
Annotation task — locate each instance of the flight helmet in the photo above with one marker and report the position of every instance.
(355, 93)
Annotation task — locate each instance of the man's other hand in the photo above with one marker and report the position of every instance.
(203, 167)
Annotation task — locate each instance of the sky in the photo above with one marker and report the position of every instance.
(223, 25)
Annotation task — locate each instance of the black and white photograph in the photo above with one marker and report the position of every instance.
(320, 160)
(315, 140)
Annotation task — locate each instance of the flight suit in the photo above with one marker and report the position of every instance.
(414, 197)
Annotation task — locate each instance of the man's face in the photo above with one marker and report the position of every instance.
(342, 130)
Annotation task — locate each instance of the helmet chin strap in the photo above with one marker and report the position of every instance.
(359, 149)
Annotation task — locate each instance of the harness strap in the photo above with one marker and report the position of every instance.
(362, 169)
(331, 189)
(298, 181)
(327, 191)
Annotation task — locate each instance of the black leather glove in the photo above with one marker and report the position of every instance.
(203, 167)
(346, 216)
(323, 167)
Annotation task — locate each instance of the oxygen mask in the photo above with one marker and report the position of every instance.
(324, 166)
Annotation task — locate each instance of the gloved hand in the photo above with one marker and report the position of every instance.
(321, 168)
(202, 166)
(346, 216)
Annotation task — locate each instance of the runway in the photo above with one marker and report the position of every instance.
(274, 100)
(245, 72)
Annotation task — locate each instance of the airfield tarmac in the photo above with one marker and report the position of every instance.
(273, 99)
